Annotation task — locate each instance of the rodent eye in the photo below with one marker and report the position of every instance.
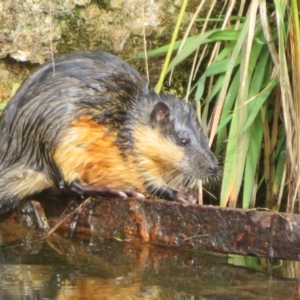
(184, 142)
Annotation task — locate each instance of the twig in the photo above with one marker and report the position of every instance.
(67, 217)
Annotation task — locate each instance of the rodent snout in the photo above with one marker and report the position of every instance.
(208, 165)
(213, 169)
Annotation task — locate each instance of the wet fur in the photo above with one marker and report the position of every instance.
(90, 122)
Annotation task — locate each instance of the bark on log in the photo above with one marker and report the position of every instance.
(224, 230)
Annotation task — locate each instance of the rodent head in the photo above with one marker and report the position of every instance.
(170, 141)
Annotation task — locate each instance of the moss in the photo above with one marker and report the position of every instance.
(73, 38)
(102, 3)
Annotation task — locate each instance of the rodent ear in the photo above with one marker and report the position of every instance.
(160, 113)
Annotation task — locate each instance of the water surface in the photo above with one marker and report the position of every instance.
(81, 268)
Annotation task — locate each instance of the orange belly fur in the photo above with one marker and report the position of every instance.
(87, 152)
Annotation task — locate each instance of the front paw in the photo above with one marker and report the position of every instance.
(186, 195)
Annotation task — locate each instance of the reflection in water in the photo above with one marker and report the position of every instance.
(95, 269)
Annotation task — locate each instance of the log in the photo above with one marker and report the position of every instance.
(224, 230)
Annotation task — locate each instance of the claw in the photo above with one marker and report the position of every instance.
(105, 192)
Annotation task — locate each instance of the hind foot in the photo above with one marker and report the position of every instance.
(105, 192)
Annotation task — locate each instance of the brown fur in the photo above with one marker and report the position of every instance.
(87, 153)
(156, 154)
